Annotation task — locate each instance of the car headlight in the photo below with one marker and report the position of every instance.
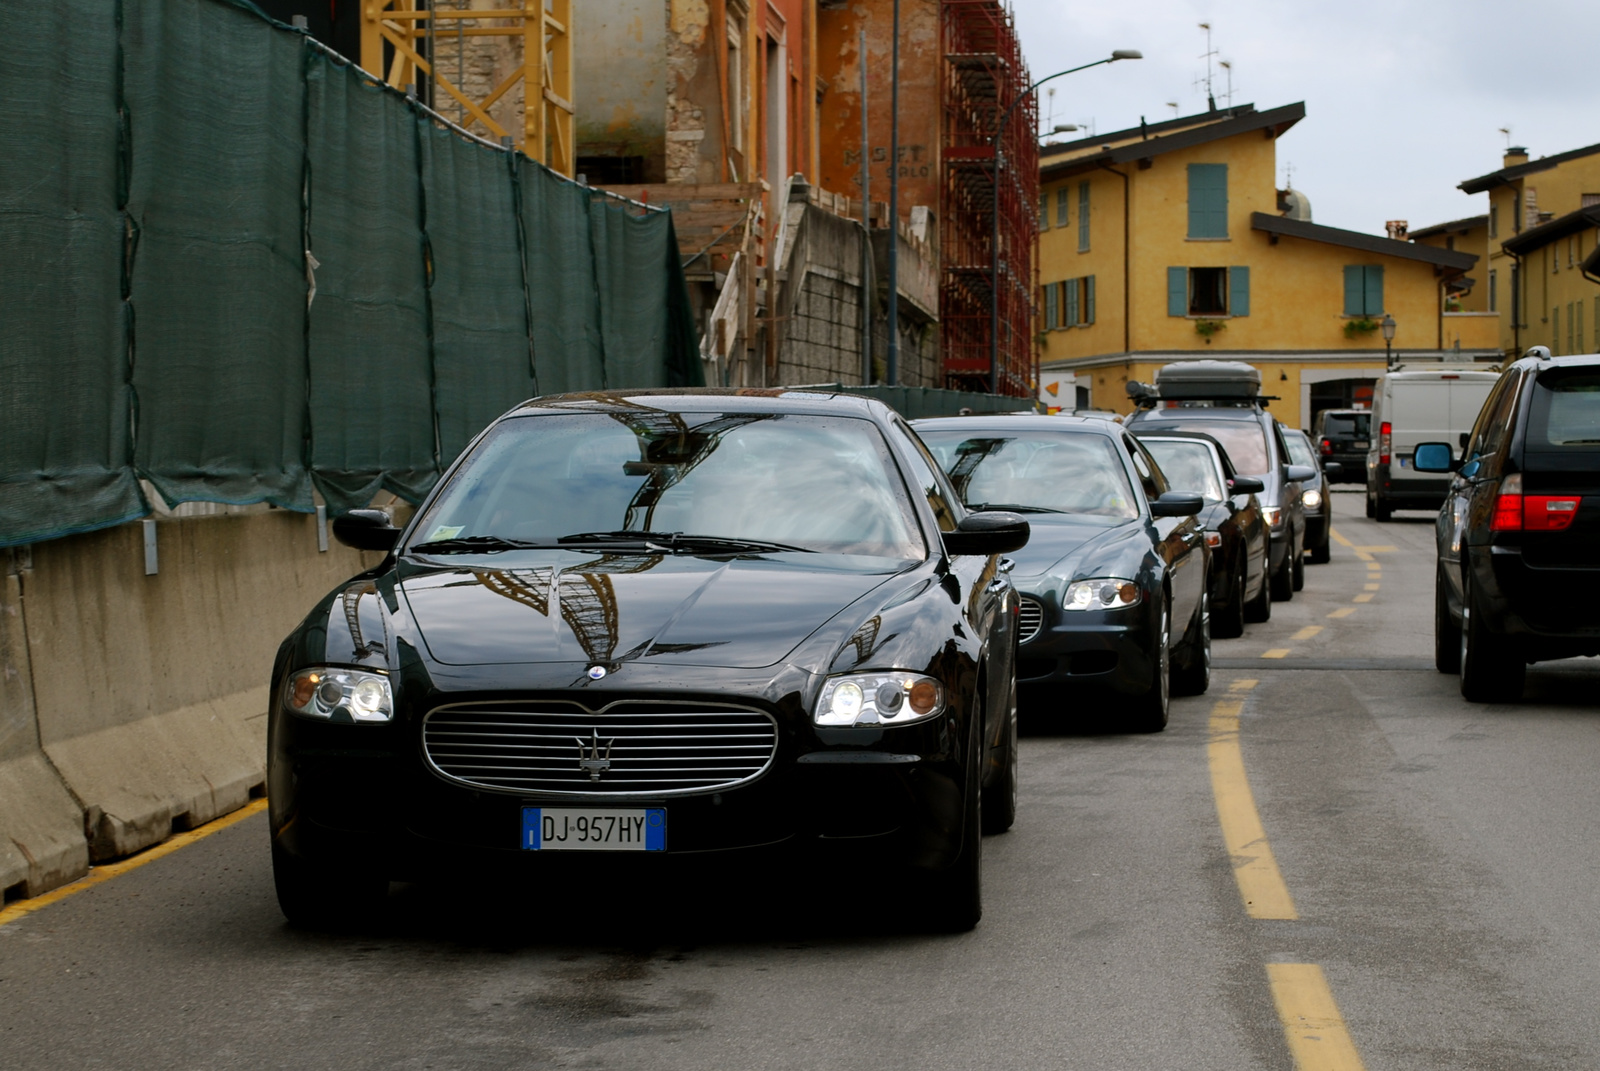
(1273, 514)
(1311, 499)
(892, 697)
(326, 693)
(1107, 593)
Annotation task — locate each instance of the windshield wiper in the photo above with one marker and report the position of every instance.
(1015, 507)
(480, 544)
(677, 541)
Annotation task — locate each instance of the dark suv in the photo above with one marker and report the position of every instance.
(1343, 435)
(1518, 534)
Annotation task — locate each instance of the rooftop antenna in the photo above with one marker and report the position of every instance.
(1288, 175)
(1207, 55)
(1506, 130)
(1227, 65)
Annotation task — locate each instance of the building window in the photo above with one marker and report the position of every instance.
(1044, 211)
(1208, 200)
(1083, 217)
(1063, 205)
(1069, 303)
(736, 81)
(1494, 291)
(1494, 221)
(1571, 348)
(1052, 314)
(1208, 292)
(1363, 290)
(1577, 332)
(1516, 213)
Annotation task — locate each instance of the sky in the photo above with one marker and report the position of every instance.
(1404, 99)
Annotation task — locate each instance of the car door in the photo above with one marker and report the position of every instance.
(1470, 501)
(1180, 541)
(1294, 509)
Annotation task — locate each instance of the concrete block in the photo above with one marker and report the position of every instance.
(41, 828)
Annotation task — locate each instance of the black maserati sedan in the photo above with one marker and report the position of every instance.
(1113, 579)
(1236, 530)
(653, 625)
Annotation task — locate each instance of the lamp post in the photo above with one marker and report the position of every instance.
(1387, 326)
(994, 212)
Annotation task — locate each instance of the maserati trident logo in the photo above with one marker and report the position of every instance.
(591, 758)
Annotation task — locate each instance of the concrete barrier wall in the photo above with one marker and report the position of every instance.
(133, 706)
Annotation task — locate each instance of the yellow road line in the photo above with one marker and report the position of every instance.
(1338, 537)
(1307, 632)
(1343, 611)
(1243, 685)
(1389, 549)
(99, 874)
(1254, 868)
(1362, 598)
(1316, 1032)
(1371, 587)
(1276, 652)
(1374, 567)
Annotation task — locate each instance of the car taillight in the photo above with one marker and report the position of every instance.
(1517, 512)
(1327, 447)
(1385, 440)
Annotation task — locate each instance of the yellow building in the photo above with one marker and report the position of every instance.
(1560, 270)
(1170, 241)
(1525, 282)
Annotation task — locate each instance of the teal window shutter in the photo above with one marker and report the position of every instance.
(1088, 299)
(1050, 320)
(1083, 217)
(1354, 290)
(1208, 200)
(1177, 291)
(1063, 206)
(1372, 290)
(1070, 290)
(1239, 291)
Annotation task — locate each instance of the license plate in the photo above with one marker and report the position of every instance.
(1361, 444)
(594, 829)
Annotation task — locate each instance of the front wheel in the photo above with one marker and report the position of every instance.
(1381, 510)
(953, 899)
(1323, 553)
(1229, 623)
(1298, 575)
(1258, 611)
(323, 898)
(1446, 629)
(1282, 581)
(1000, 798)
(1151, 710)
(1191, 669)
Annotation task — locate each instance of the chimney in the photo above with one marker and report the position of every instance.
(1398, 229)
(1516, 155)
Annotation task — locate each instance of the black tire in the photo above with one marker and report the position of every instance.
(1492, 669)
(1446, 629)
(1000, 798)
(1228, 623)
(322, 898)
(1152, 710)
(1282, 582)
(1258, 611)
(1297, 575)
(1323, 552)
(1371, 510)
(1381, 510)
(1191, 664)
(953, 898)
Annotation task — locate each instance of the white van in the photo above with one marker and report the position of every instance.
(1415, 406)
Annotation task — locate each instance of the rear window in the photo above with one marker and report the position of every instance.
(1566, 410)
(1355, 424)
(1244, 440)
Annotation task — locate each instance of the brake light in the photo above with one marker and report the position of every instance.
(1517, 512)
(1327, 447)
(1385, 441)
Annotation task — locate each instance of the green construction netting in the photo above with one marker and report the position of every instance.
(218, 276)
(483, 364)
(630, 267)
(65, 463)
(564, 305)
(371, 373)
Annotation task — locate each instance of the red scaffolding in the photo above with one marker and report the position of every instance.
(984, 74)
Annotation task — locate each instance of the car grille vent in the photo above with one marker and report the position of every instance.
(629, 749)
(1030, 621)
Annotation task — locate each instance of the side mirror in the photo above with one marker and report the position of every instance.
(1464, 437)
(990, 532)
(1299, 473)
(1433, 457)
(1247, 485)
(1332, 469)
(366, 529)
(1178, 504)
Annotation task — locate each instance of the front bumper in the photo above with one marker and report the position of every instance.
(1114, 655)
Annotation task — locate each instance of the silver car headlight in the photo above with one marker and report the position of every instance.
(1311, 499)
(1106, 593)
(323, 692)
(893, 697)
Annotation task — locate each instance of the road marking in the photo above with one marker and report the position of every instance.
(1243, 685)
(1362, 598)
(1307, 632)
(1316, 1032)
(1338, 537)
(1254, 867)
(1343, 611)
(1276, 652)
(1372, 587)
(1374, 567)
(1387, 549)
(108, 871)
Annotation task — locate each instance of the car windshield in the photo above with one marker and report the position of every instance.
(1244, 440)
(803, 482)
(1354, 424)
(1050, 471)
(1188, 466)
(1566, 409)
(1299, 449)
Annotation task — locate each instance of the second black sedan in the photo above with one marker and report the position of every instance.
(1236, 531)
(1113, 579)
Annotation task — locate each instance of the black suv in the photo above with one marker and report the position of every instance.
(1518, 580)
(1343, 435)
(1227, 406)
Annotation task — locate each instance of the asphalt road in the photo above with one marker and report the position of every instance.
(1439, 862)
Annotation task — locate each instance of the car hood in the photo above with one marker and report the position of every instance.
(606, 608)
(1060, 545)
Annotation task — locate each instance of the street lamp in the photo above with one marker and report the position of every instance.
(994, 213)
(1387, 325)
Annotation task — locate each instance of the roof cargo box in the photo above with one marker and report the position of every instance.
(1215, 380)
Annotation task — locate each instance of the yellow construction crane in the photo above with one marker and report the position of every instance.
(413, 42)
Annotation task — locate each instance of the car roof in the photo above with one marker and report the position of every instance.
(1208, 412)
(719, 399)
(1011, 422)
(1544, 361)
